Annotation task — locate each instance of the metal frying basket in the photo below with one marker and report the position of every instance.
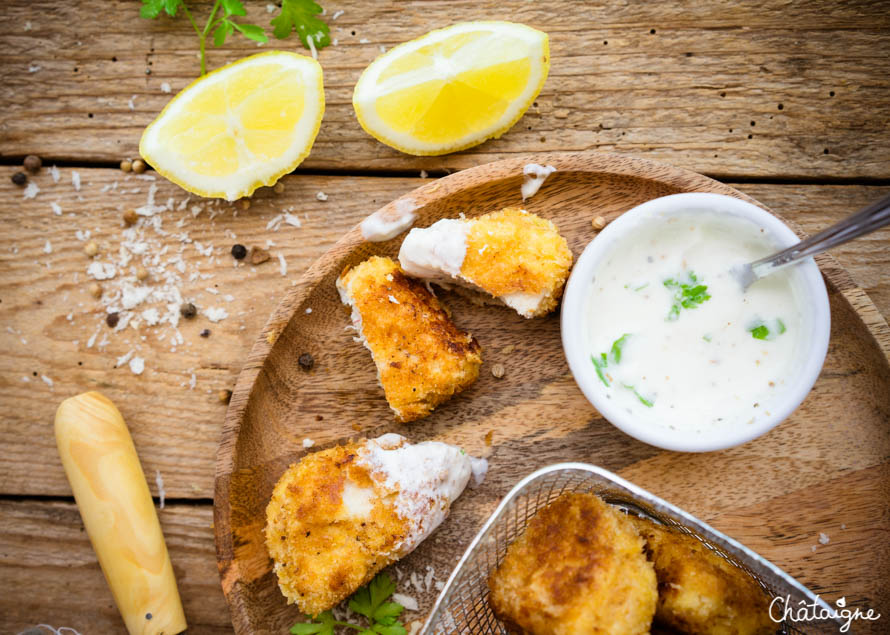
(462, 606)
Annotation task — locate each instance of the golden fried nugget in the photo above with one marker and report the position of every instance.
(339, 516)
(516, 257)
(699, 592)
(422, 358)
(578, 569)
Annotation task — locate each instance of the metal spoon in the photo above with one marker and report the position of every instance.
(863, 222)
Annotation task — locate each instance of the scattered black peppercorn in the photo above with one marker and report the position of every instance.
(19, 178)
(306, 361)
(112, 319)
(239, 251)
(32, 163)
(205, 333)
(188, 310)
(148, 616)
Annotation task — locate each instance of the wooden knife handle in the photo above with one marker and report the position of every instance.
(118, 512)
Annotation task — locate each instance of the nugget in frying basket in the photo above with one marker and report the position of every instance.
(578, 569)
(699, 592)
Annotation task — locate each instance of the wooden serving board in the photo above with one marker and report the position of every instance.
(824, 470)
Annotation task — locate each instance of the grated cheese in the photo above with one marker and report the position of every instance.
(75, 180)
(137, 365)
(283, 264)
(31, 190)
(215, 314)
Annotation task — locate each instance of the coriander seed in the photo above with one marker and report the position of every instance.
(239, 251)
(498, 371)
(91, 248)
(225, 396)
(126, 165)
(243, 204)
(598, 223)
(95, 290)
(188, 310)
(112, 319)
(130, 217)
(279, 187)
(138, 166)
(258, 255)
(306, 361)
(32, 163)
(19, 178)
(205, 333)
(141, 273)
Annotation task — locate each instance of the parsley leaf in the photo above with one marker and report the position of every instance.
(325, 625)
(760, 331)
(687, 295)
(370, 601)
(299, 16)
(152, 8)
(387, 613)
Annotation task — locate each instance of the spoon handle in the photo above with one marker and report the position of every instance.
(863, 222)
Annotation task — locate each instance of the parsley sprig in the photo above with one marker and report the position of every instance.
(687, 295)
(296, 15)
(369, 601)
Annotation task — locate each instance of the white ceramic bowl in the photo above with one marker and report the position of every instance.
(575, 336)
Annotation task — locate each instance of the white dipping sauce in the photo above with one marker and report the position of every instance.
(695, 367)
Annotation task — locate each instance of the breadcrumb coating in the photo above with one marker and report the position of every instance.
(515, 252)
(699, 592)
(578, 569)
(422, 358)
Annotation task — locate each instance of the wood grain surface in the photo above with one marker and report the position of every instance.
(535, 415)
(786, 89)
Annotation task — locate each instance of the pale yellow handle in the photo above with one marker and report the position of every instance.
(118, 513)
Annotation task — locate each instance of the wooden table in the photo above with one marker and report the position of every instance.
(788, 102)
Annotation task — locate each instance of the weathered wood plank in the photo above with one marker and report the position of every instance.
(51, 576)
(176, 428)
(754, 89)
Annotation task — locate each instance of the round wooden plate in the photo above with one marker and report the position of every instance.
(824, 468)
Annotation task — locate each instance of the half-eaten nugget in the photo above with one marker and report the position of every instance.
(699, 592)
(422, 358)
(579, 569)
(339, 516)
(517, 257)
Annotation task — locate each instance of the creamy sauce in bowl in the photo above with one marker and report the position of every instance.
(664, 342)
(673, 338)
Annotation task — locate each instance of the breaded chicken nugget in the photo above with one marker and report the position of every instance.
(339, 516)
(578, 569)
(517, 257)
(699, 592)
(422, 358)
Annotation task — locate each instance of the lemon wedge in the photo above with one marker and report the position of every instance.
(240, 127)
(452, 88)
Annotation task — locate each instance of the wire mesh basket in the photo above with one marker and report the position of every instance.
(462, 606)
